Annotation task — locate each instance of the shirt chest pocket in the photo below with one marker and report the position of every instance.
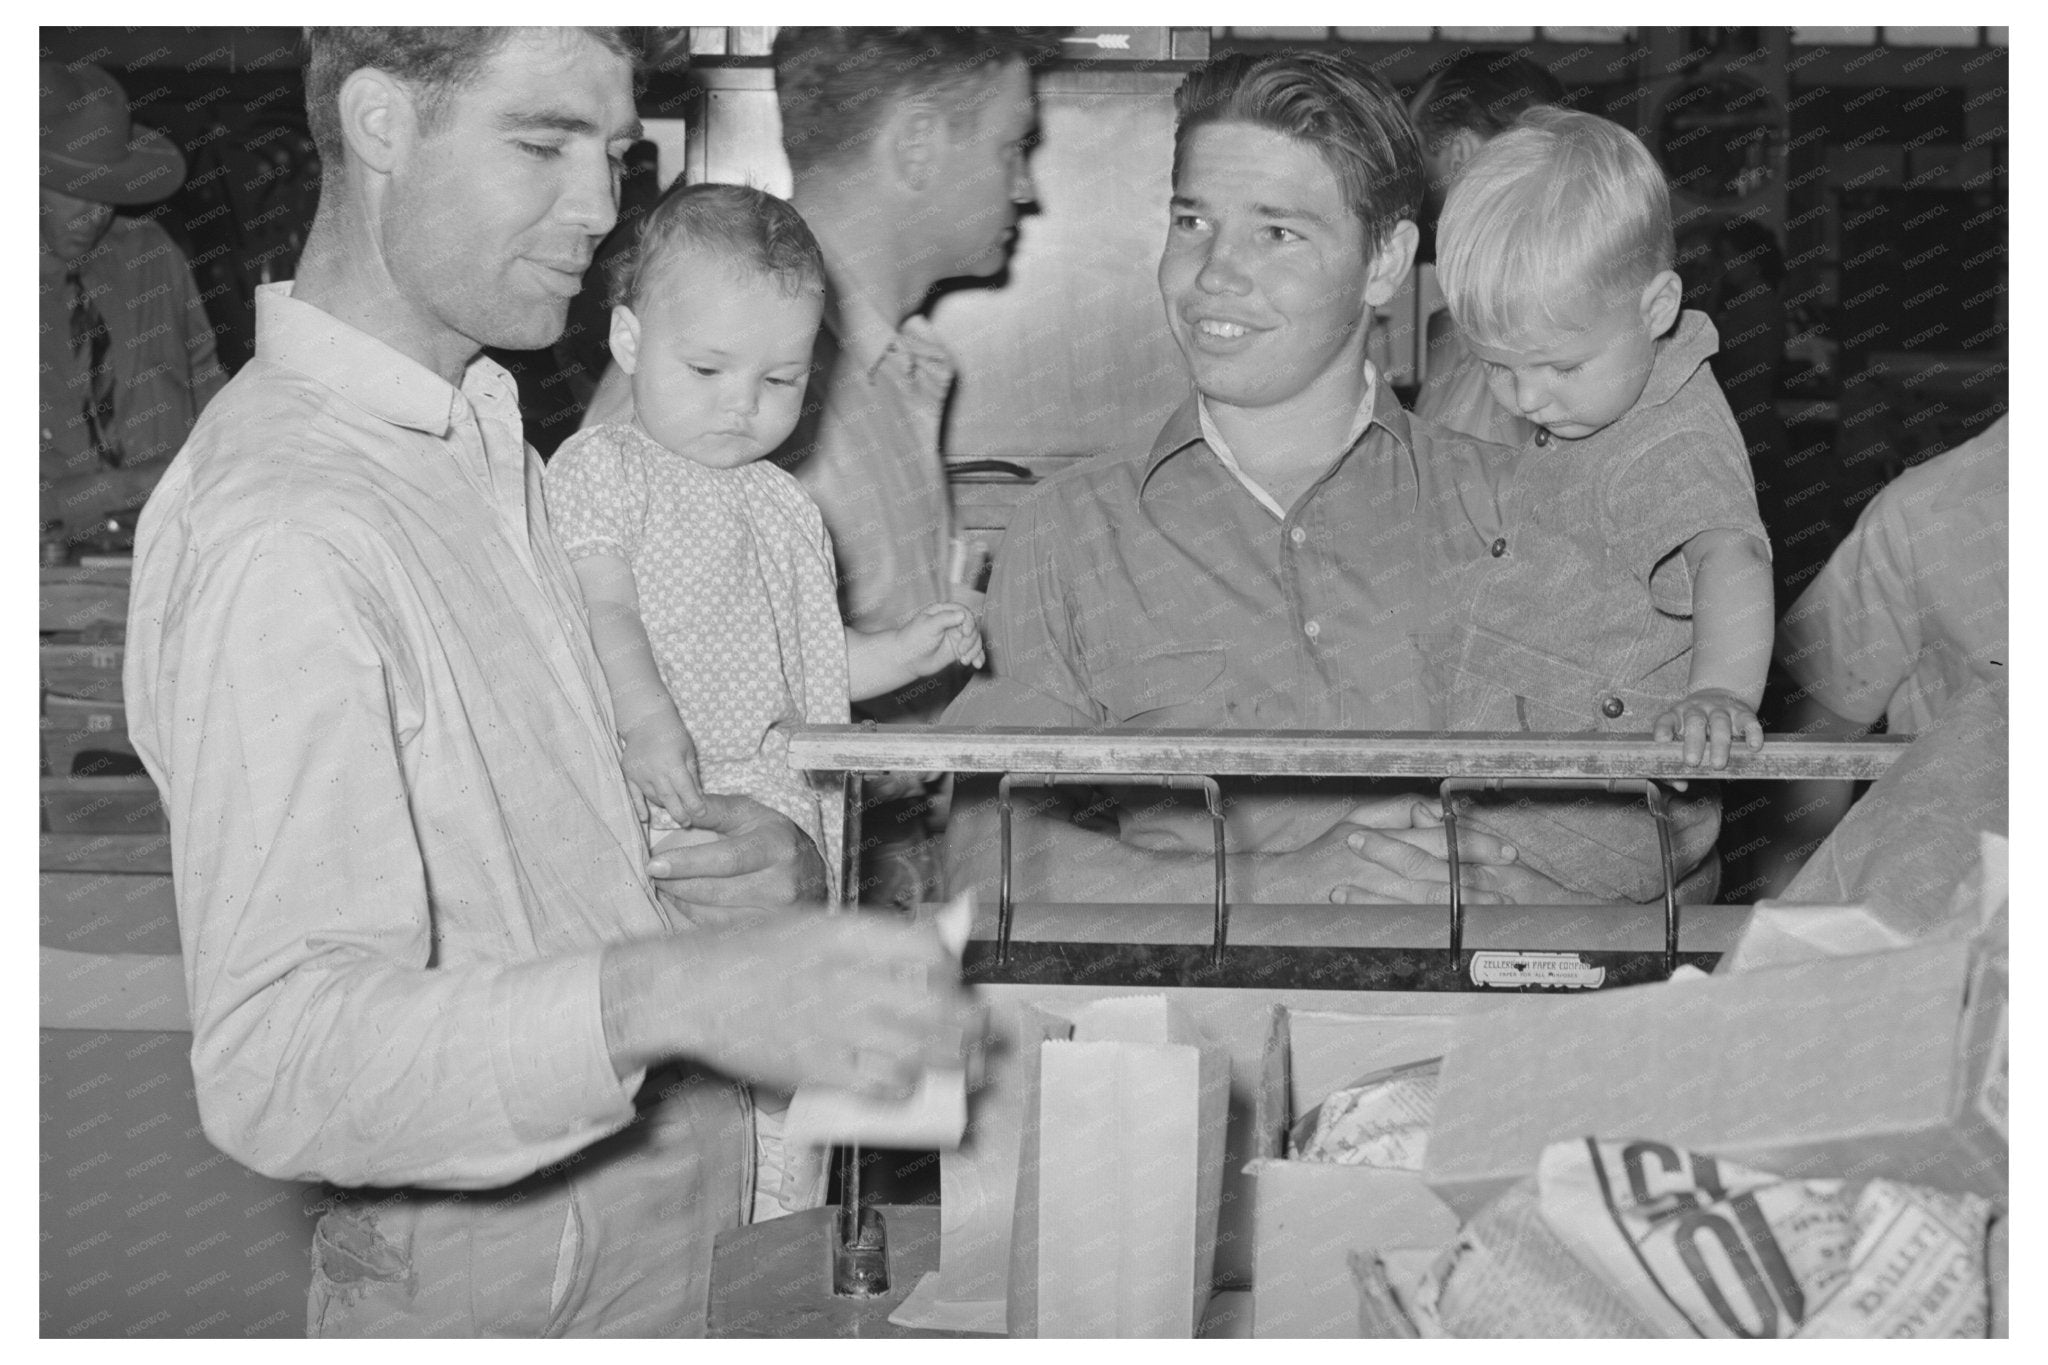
(1181, 686)
(1497, 683)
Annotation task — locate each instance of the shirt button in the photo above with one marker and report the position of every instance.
(1542, 437)
(1297, 535)
(1313, 629)
(1612, 708)
(1499, 547)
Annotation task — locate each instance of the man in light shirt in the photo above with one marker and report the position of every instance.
(1910, 610)
(429, 957)
(1907, 624)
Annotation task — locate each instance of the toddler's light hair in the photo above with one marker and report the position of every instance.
(1560, 215)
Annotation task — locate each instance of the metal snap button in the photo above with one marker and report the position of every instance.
(1612, 708)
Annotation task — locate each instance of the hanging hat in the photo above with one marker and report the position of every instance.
(92, 150)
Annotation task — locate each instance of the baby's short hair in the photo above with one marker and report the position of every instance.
(749, 228)
(1562, 210)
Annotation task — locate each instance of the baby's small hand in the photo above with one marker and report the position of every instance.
(966, 642)
(661, 768)
(1708, 721)
(941, 634)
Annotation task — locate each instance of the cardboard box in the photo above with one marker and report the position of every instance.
(1879, 1064)
(1309, 1216)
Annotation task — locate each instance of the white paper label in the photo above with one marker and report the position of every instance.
(1511, 970)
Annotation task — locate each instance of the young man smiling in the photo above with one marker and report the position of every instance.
(1274, 559)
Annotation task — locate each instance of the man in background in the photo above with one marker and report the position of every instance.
(908, 149)
(1907, 619)
(127, 356)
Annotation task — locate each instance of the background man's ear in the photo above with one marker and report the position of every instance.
(1457, 151)
(1389, 265)
(625, 338)
(912, 135)
(379, 120)
(1661, 300)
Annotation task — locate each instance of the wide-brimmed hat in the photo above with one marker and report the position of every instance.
(91, 148)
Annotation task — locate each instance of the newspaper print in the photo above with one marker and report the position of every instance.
(1703, 1248)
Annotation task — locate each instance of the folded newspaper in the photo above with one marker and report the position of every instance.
(1640, 1239)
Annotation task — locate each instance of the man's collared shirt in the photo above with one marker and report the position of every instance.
(1156, 591)
(159, 344)
(359, 672)
(1359, 421)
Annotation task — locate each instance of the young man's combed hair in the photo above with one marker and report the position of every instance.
(1351, 117)
(1560, 215)
(433, 62)
(834, 86)
(751, 230)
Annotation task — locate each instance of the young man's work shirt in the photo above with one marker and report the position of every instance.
(1156, 591)
(359, 671)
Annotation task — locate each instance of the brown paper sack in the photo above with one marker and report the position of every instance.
(1119, 1175)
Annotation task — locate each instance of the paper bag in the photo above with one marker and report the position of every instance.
(1120, 1171)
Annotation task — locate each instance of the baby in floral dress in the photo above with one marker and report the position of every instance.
(706, 570)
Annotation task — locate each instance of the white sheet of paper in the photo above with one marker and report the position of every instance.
(922, 1308)
(933, 1117)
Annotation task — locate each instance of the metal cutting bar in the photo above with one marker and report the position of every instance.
(1318, 753)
